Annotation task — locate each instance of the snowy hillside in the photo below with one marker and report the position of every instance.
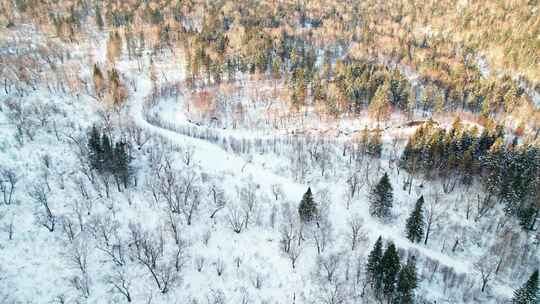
(125, 178)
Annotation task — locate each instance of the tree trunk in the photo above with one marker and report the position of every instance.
(428, 230)
(484, 284)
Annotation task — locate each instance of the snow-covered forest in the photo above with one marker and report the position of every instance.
(276, 152)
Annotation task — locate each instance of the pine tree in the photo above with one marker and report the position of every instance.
(494, 163)
(380, 107)
(528, 293)
(121, 162)
(106, 157)
(94, 148)
(381, 198)
(373, 266)
(399, 90)
(390, 267)
(99, 18)
(307, 209)
(415, 222)
(407, 282)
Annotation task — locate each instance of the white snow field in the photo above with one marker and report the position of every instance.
(89, 256)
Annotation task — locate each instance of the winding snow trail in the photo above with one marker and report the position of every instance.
(216, 160)
(209, 156)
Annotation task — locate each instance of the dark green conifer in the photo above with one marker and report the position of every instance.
(94, 148)
(374, 266)
(390, 266)
(528, 293)
(415, 222)
(307, 209)
(381, 198)
(407, 282)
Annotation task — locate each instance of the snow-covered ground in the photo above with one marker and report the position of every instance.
(39, 266)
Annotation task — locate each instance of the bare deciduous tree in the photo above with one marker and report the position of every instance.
(295, 249)
(220, 266)
(217, 195)
(321, 234)
(78, 258)
(277, 191)
(248, 199)
(433, 214)
(69, 228)
(188, 156)
(328, 265)
(354, 184)
(182, 192)
(121, 282)
(356, 232)
(333, 292)
(257, 280)
(44, 215)
(104, 230)
(235, 218)
(484, 203)
(8, 180)
(9, 228)
(486, 267)
(149, 250)
(216, 297)
(199, 263)
(289, 228)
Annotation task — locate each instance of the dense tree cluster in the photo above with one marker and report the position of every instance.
(340, 62)
(509, 172)
(108, 157)
(337, 58)
(388, 277)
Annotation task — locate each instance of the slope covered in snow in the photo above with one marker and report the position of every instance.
(206, 219)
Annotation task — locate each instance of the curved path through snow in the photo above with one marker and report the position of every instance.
(215, 159)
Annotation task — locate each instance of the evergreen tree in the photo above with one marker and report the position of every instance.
(528, 293)
(99, 18)
(121, 162)
(106, 157)
(381, 198)
(374, 269)
(94, 148)
(307, 209)
(380, 107)
(407, 282)
(390, 266)
(415, 222)
(398, 90)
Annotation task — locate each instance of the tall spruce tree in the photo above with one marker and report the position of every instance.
(380, 106)
(415, 222)
(407, 282)
(106, 157)
(528, 293)
(94, 148)
(390, 267)
(121, 163)
(307, 209)
(374, 266)
(381, 198)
